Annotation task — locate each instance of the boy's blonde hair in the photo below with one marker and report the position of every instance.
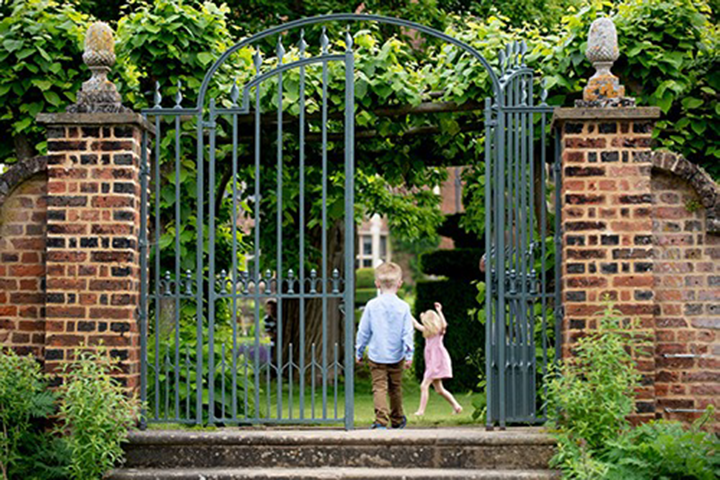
(388, 275)
(432, 323)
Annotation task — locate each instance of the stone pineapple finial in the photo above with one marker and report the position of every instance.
(603, 88)
(98, 94)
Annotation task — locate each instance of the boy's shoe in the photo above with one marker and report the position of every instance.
(402, 423)
(378, 426)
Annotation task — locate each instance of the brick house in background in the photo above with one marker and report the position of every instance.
(374, 235)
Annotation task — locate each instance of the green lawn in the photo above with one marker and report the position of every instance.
(437, 413)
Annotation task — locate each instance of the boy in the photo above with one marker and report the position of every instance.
(386, 329)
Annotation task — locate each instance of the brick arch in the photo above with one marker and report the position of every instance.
(18, 173)
(23, 214)
(707, 189)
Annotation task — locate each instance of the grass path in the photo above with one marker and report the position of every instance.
(437, 414)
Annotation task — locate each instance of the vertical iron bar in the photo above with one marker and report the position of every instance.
(489, 164)
(558, 245)
(543, 250)
(211, 273)
(279, 270)
(312, 381)
(516, 253)
(234, 276)
(167, 385)
(349, 369)
(302, 230)
(290, 381)
(500, 263)
(335, 380)
(530, 350)
(177, 267)
(187, 384)
(245, 386)
(524, 250)
(323, 274)
(143, 242)
(199, 265)
(256, 254)
(158, 353)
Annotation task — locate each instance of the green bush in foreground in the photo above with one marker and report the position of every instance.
(96, 413)
(588, 401)
(93, 417)
(24, 397)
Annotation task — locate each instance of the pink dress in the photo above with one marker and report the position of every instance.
(437, 359)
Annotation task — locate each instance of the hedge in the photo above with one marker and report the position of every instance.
(364, 295)
(464, 335)
(365, 278)
(459, 263)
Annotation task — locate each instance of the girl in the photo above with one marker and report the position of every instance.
(437, 359)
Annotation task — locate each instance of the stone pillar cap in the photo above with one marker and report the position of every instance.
(603, 88)
(98, 94)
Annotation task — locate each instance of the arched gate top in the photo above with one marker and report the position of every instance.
(349, 17)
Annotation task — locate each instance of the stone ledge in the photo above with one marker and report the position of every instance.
(620, 113)
(445, 437)
(18, 173)
(707, 189)
(80, 119)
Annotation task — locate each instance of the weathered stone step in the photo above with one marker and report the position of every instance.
(329, 474)
(457, 448)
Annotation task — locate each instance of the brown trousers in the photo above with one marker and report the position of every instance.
(387, 378)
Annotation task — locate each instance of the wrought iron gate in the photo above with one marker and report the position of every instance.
(209, 263)
(522, 273)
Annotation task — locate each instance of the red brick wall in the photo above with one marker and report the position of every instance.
(687, 292)
(22, 266)
(607, 232)
(93, 273)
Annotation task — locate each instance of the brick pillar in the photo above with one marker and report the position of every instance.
(93, 219)
(607, 226)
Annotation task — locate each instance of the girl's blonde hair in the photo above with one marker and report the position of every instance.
(432, 323)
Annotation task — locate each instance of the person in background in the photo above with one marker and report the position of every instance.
(438, 365)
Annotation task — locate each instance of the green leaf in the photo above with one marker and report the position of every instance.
(12, 45)
(42, 84)
(52, 98)
(205, 58)
(691, 103)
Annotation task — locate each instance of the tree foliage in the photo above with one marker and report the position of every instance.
(40, 70)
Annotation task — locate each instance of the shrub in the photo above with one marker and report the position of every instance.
(364, 295)
(458, 263)
(590, 397)
(588, 400)
(95, 414)
(663, 449)
(365, 278)
(23, 397)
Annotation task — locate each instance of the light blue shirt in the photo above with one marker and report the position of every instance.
(386, 329)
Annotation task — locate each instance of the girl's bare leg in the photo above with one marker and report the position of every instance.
(439, 388)
(424, 394)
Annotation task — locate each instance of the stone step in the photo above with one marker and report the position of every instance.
(328, 474)
(456, 448)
